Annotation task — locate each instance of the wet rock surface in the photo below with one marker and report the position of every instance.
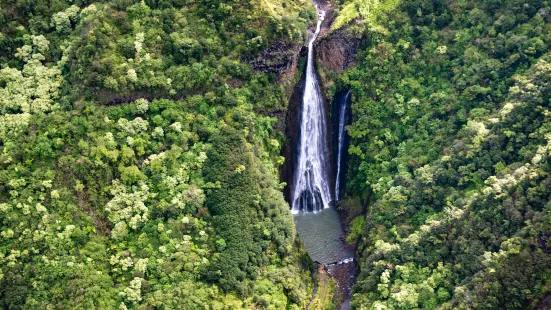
(545, 304)
(292, 128)
(345, 275)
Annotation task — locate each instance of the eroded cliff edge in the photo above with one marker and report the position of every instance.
(336, 50)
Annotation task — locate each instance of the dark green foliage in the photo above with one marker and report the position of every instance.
(137, 169)
(449, 151)
(230, 164)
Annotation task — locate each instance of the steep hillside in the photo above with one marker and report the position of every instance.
(138, 168)
(139, 153)
(449, 153)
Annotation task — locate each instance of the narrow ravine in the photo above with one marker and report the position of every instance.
(318, 223)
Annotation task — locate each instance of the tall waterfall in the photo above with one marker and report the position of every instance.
(341, 142)
(311, 191)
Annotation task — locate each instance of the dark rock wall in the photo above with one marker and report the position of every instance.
(338, 100)
(292, 130)
(280, 58)
(337, 51)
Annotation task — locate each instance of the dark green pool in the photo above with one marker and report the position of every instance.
(321, 232)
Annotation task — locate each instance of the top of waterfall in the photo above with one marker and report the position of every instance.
(321, 13)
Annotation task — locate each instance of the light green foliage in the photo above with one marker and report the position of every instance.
(366, 10)
(109, 113)
(142, 105)
(32, 90)
(449, 149)
(62, 20)
(128, 205)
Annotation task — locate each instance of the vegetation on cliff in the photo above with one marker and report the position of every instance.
(138, 160)
(137, 166)
(450, 147)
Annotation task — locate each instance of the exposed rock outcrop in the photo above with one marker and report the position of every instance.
(282, 57)
(337, 50)
(292, 129)
(345, 276)
(279, 58)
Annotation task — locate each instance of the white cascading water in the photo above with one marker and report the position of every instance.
(311, 191)
(342, 123)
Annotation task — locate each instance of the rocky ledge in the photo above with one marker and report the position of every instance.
(280, 58)
(337, 50)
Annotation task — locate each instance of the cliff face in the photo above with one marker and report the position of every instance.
(280, 58)
(291, 126)
(337, 50)
(290, 121)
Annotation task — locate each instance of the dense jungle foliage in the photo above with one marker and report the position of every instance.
(449, 155)
(139, 154)
(138, 166)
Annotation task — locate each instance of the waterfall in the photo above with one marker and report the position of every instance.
(340, 142)
(311, 191)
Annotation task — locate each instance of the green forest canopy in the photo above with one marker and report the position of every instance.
(450, 142)
(137, 166)
(138, 160)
